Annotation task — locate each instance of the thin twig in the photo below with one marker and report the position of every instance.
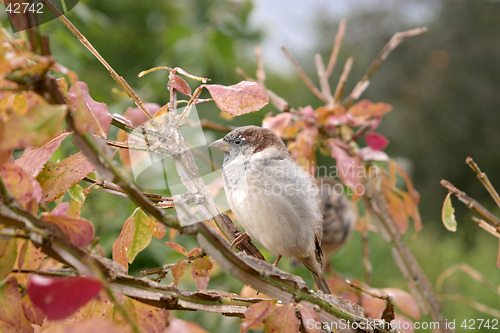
(302, 74)
(483, 178)
(396, 39)
(323, 79)
(339, 91)
(473, 304)
(471, 203)
(261, 74)
(121, 82)
(486, 226)
(336, 47)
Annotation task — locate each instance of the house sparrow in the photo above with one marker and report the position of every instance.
(339, 217)
(273, 199)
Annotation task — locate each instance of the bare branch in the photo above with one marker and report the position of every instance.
(339, 91)
(323, 79)
(336, 47)
(484, 180)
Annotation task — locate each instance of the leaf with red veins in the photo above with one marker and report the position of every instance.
(376, 141)
(238, 99)
(349, 169)
(179, 84)
(58, 177)
(12, 318)
(79, 231)
(92, 113)
(61, 297)
(33, 159)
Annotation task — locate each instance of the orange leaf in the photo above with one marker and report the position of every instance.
(195, 252)
(58, 177)
(178, 270)
(368, 110)
(200, 271)
(20, 185)
(256, 314)
(79, 231)
(281, 124)
(282, 319)
(177, 248)
(123, 241)
(241, 98)
(33, 159)
(12, 318)
(397, 211)
(309, 319)
(302, 149)
(34, 129)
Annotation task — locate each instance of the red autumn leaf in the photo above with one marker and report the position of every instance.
(33, 159)
(12, 318)
(376, 141)
(92, 113)
(179, 84)
(33, 129)
(365, 109)
(176, 325)
(21, 186)
(178, 271)
(256, 314)
(404, 301)
(177, 248)
(58, 177)
(282, 319)
(200, 271)
(349, 168)
(61, 297)
(241, 98)
(61, 209)
(79, 231)
(308, 315)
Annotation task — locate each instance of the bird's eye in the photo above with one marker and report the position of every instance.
(237, 141)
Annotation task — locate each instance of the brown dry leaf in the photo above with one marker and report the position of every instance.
(58, 177)
(177, 248)
(238, 99)
(256, 314)
(34, 314)
(33, 159)
(282, 319)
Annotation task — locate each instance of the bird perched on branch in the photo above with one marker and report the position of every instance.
(273, 199)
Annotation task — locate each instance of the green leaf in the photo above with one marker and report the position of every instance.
(142, 235)
(76, 193)
(448, 214)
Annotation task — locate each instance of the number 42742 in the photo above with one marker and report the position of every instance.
(476, 324)
(24, 7)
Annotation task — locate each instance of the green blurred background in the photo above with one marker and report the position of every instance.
(444, 86)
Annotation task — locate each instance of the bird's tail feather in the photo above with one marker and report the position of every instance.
(317, 272)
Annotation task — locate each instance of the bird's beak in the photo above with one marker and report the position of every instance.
(220, 145)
